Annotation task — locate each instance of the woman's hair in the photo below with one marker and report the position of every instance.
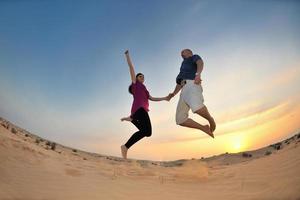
(138, 74)
(130, 89)
(130, 86)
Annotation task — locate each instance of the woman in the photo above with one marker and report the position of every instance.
(140, 107)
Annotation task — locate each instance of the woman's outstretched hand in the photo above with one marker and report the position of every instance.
(126, 52)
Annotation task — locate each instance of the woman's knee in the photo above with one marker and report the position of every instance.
(147, 131)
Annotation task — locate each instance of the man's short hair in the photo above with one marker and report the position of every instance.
(187, 50)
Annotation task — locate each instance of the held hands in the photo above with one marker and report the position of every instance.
(169, 97)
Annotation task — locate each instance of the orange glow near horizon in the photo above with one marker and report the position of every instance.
(249, 133)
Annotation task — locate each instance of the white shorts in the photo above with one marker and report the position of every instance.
(190, 98)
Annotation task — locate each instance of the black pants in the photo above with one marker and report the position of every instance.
(142, 121)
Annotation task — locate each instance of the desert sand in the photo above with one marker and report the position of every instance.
(32, 168)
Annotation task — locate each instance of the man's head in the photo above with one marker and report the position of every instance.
(186, 53)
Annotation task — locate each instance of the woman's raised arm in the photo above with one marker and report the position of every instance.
(131, 68)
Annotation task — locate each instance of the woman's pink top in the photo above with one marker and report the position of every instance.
(140, 97)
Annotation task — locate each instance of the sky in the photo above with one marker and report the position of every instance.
(64, 77)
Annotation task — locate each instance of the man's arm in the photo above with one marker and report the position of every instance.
(200, 64)
(131, 68)
(176, 90)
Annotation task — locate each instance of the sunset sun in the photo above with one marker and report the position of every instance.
(237, 144)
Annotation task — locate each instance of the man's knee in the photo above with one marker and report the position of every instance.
(181, 124)
(181, 119)
(200, 110)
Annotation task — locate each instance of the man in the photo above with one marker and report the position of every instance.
(189, 82)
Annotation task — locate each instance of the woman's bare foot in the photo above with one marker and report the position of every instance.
(124, 151)
(212, 124)
(126, 119)
(207, 130)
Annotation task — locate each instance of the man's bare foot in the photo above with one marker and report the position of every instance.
(126, 119)
(212, 124)
(207, 130)
(124, 151)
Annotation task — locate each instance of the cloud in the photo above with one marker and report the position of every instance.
(255, 119)
(245, 123)
(285, 79)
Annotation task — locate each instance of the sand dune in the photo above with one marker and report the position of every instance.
(36, 169)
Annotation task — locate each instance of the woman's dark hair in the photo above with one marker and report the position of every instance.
(130, 86)
(130, 89)
(138, 74)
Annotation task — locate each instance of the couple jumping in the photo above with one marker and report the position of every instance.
(188, 81)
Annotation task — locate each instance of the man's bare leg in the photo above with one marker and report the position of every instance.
(192, 124)
(203, 112)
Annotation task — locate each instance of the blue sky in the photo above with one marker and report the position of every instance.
(63, 74)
